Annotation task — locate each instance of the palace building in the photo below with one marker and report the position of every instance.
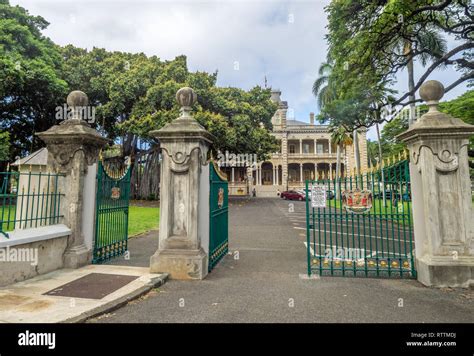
(306, 152)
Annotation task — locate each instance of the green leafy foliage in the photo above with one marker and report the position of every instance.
(4, 146)
(371, 42)
(31, 85)
(462, 107)
(132, 93)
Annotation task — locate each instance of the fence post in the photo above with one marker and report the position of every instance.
(73, 146)
(441, 192)
(184, 145)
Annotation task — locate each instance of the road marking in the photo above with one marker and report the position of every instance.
(379, 225)
(313, 276)
(362, 223)
(355, 234)
(372, 255)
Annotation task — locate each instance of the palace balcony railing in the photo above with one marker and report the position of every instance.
(312, 154)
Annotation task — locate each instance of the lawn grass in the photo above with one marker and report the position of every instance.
(6, 212)
(380, 209)
(142, 219)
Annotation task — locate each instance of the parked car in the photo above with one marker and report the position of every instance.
(293, 195)
(329, 194)
(303, 192)
(388, 195)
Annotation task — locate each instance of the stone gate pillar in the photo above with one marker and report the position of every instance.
(184, 145)
(73, 146)
(441, 193)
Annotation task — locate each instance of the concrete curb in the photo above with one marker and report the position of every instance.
(118, 303)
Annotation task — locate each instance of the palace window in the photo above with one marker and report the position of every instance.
(306, 148)
(320, 148)
(292, 148)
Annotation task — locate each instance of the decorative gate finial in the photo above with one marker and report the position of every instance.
(431, 92)
(186, 97)
(78, 101)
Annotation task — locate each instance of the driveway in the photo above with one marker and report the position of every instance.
(263, 280)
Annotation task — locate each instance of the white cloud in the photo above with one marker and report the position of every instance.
(281, 40)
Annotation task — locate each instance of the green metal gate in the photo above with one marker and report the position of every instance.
(112, 200)
(219, 215)
(365, 228)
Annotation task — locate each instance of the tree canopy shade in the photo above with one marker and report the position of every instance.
(4, 146)
(31, 85)
(372, 41)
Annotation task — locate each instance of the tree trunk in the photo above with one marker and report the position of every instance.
(356, 151)
(381, 163)
(338, 169)
(411, 83)
(145, 180)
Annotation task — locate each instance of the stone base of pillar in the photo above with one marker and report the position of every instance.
(77, 256)
(445, 271)
(180, 264)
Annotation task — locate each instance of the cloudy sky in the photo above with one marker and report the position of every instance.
(244, 40)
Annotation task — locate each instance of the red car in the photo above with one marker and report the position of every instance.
(293, 195)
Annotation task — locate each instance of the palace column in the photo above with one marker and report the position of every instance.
(301, 146)
(301, 172)
(284, 155)
(441, 192)
(330, 170)
(233, 175)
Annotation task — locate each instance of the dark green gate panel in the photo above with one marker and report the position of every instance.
(219, 216)
(366, 227)
(112, 201)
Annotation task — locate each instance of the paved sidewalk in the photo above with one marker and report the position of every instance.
(140, 249)
(264, 283)
(25, 302)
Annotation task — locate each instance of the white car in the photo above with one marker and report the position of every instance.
(302, 191)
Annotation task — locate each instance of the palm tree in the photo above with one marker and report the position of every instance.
(432, 46)
(324, 93)
(340, 138)
(322, 87)
(381, 160)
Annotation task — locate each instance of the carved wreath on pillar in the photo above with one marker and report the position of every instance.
(62, 154)
(446, 160)
(180, 160)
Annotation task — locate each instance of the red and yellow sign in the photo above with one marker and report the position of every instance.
(115, 193)
(357, 201)
(220, 198)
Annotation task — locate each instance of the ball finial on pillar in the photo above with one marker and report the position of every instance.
(77, 98)
(431, 92)
(186, 97)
